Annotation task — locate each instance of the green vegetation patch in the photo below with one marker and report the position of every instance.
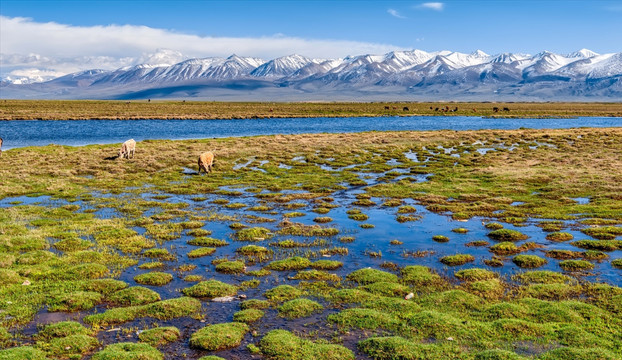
(201, 252)
(316, 275)
(528, 261)
(281, 344)
(542, 277)
(507, 235)
(154, 278)
(252, 250)
(254, 234)
(327, 265)
(211, 289)
(292, 263)
(74, 301)
(136, 295)
(603, 232)
(160, 335)
(559, 236)
(207, 241)
(299, 308)
(617, 263)
(387, 289)
(63, 329)
(22, 353)
(163, 310)
(440, 238)
(219, 336)
(576, 265)
(458, 259)
(282, 293)
(475, 274)
(129, 351)
(603, 245)
(248, 315)
(254, 304)
(368, 276)
(421, 277)
(231, 267)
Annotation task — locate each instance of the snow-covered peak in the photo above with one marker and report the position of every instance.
(480, 54)
(282, 66)
(583, 53)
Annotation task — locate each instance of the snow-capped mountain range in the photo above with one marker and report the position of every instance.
(416, 74)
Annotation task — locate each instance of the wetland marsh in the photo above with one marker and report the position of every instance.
(507, 244)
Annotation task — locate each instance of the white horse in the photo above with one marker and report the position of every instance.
(128, 148)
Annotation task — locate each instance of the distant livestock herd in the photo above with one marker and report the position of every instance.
(442, 109)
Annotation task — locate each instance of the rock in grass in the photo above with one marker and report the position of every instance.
(159, 335)
(248, 315)
(136, 295)
(281, 344)
(211, 289)
(292, 263)
(370, 276)
(507, 235)
(282, 293)
(576, 265)
(458, 259)
(528, 261)
(155, 278)
(299, 308)
(219, 336)
(129, 351)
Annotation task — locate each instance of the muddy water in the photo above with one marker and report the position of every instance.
(84, 132)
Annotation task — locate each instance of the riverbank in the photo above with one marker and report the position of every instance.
(145, 109)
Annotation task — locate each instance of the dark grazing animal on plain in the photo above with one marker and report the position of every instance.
(406, 108)
(495, 109)
(387, 108)
(206, 162)
(506, 109)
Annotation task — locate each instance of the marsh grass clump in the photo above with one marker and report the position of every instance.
(576, 265)
(458, 259)
(460, 230)
(282, 293)
(248, 315)
(198, 232)
(281, 344)
(617, 263)
(542, 277)
(207, 241)
(293, 263)
(440, 238)
(72, 346)
(559, 236)
(63, 329)
(603, 232)
(74, 244)
(294, 214)
(477, 243)
(383, 288)
(363, 202)
(563, 254)
(327, 265)
(161, 254)
(163, 310)
(323, 219)
(211, 289)
(253, 234)
(160, 335)
(127, 351)
(407, 218)
(252, 250)
(475, 274)
(151, 265)
(254, 304)
(200, 252)
(603, 245)
(321, 210)
(550, 292)
(507, 235)
(370, 276)
(154, 278)
(298, 308)
(421, 277)
(367, 226)
(193, 278)
(259, 272)
(358, 216)
(504, 248)
(493, 226)
(594, 255)
(136, 295)
(231, 267)
(316, 275)
(528, 261)
(74, 301)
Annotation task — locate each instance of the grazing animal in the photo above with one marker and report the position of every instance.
(206, 162)
(387, 108)
(436, 109)
(430, 108)
(456, 109)
(0, 146)
(495, 109)
(406, 108)
(474, 110)
(395, 108)
(506, 109)
(128, 148)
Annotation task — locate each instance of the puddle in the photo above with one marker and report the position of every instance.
(412, 156)
(581, 200)
(243, 165)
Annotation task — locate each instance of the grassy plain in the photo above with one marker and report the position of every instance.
(164, 109)
(66, 258)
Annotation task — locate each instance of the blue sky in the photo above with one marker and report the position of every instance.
(124, 32)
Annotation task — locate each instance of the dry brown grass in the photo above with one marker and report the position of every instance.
(141, 109)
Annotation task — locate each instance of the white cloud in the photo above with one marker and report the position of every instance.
(438, 6)
(63, 48)
(396, 14)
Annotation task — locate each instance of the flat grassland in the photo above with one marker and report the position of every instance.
(332, 239)
(144, 109)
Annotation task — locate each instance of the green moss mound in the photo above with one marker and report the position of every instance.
(475, 274)
(507, 235)
(129, 351)
(72, 345)
(327, 265)
(528, 261)
(293, 263)
(219, 336)
(282, 293)
(207, 241)
(568, 353)
(576, 265)
(136, 295)
(299, 308)
(542, 277)
(74, 301)
(201, 252)
(211, 289)
(383, 288)
(253, 234)
(231, 267)
(283, 345)
(370, 276)
(559, 236)
(458, 259)
(63, 329)
(497, 354)
(421, 276)
(154, 278)
(248, 315)
(395, 347)
(160, 335)
(22, 353)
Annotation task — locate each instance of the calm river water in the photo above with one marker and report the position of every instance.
(85, 132)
